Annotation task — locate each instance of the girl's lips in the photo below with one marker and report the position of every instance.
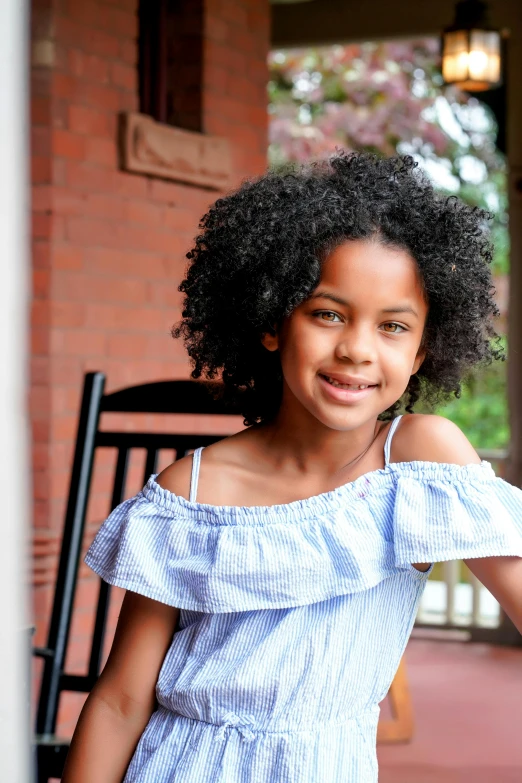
(344, 395)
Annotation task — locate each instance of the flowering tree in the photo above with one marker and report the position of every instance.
(386, 98)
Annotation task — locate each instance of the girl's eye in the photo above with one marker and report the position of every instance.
(396, 328)
(328, 315)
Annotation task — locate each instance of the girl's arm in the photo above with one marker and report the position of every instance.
(434, 438)
(503, 577)
(122, 701)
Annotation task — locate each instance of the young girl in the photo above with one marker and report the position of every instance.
(273, 577)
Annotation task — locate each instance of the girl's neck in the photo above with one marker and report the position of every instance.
(313, 447)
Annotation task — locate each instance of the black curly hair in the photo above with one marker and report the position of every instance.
(259, 255)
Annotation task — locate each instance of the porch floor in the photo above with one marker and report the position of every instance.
(467, 701)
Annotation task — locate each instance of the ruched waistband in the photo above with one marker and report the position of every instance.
(249, 728)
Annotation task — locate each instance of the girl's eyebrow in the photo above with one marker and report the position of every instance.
(339, 300)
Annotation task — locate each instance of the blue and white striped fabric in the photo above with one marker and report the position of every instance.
(293, 617)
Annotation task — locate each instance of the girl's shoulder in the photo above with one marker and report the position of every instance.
(430, 438)
(220, 457)
(176, 477)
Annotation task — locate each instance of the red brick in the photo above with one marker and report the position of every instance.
(120, 22)
(40, 110)
(230, 11)
(40, 313)
(59, 479)
(67, 257)
(68, 315)
(41, 169)
(125, 76)
(59, 169)
(71, 31)
(68, 145)
(130, 185)
(66, 369)
(65, 86)
(60, 114)
(179, 219)
(41, 254)
(129, 52)
(84, 343)
(130, 348)
(40, 341)
(83, 119)
(41, 282)
(217, 29)
(87, 66)
(40, 399)
(40, 486)
(41, 198)
(217, 79)
(106, 206)
(129, 101)
(125, 264)
(219, 54)
(166, 295)
(90, 231)
(102, 44)
(39, 370)
(104, 98)
(42, 225)
(164, 191)
(118, 289)
(66, 202)
(101, 152)
(86, 177)
(40, 430)
(86, 14)
(40, 82)
(144, 212)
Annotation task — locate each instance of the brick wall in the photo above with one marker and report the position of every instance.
(108, 246)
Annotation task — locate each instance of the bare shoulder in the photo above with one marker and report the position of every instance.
(176, 478)
(431, 438)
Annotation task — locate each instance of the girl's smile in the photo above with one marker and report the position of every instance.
(347, 352)
(346, 389)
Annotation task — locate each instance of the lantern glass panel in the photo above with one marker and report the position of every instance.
(484, 56)
(455, 56)
(471, 58)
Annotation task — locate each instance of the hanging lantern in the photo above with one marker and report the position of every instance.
(471, 49)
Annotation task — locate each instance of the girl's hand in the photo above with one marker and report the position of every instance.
(122, 701)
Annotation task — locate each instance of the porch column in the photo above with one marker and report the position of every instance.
(15, 479)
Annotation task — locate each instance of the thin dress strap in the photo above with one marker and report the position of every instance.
(196, 461)
(387, 445)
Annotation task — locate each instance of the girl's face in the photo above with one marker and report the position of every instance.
(361, 327)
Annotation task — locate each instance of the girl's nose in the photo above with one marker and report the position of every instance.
(357, 346)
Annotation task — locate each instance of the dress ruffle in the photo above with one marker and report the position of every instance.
(441, 518)
(228, 558)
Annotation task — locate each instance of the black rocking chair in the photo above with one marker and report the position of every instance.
(164, 397)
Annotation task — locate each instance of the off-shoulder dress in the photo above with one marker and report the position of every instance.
(294, 617)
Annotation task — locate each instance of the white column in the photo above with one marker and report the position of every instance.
(15, 476)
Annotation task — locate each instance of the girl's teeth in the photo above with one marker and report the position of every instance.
(344, 385)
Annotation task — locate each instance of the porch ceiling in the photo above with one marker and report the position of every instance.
(338, 21)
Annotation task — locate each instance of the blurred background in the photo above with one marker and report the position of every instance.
(141, 114)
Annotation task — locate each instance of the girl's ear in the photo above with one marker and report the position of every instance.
(421, 355)
(270, 340)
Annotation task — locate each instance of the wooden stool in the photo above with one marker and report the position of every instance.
(400, 727)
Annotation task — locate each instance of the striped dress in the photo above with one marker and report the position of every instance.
(293, 617)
